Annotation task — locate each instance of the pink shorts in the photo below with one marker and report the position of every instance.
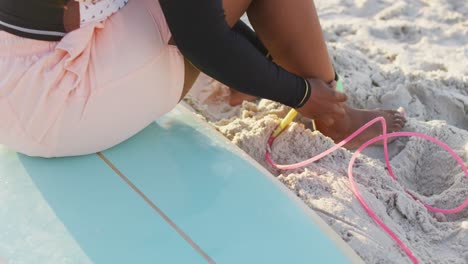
(95, 88)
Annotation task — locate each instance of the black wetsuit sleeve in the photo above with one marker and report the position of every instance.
(250, 35)
(38, 19)
(202, 34)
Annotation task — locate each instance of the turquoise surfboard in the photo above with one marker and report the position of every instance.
(178, 192)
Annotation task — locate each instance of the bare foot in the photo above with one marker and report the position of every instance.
(355, 118)
(236, 97)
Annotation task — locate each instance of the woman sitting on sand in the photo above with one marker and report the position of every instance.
(81, 76)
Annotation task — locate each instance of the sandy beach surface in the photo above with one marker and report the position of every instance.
(389, 53)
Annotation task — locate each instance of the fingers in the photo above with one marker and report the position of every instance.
(338, 111)
(324, 102)
(336, 96)
(340, 97)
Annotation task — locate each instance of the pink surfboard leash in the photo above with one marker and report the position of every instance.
(385, 136)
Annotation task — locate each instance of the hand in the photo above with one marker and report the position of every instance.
(325, 102)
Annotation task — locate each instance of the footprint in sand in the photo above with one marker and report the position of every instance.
(402, 33)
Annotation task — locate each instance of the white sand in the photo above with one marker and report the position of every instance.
(390, 53)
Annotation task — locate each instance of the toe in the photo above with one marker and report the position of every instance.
(396, 118)
(398, 122)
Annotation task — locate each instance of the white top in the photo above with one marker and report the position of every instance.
(99, 10)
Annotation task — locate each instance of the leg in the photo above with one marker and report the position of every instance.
(295, 40)
(191, 75)
(289, 39)
(294, 37)
(236, 10)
